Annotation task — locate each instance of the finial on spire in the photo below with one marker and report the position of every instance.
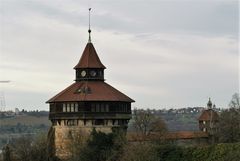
(89, 26)
(209, 104)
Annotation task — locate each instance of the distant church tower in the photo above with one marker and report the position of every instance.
(86, 104)
(208, 120)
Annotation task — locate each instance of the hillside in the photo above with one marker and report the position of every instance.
(25, 120)
(15, 126)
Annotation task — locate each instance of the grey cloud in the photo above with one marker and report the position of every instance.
(161, 53)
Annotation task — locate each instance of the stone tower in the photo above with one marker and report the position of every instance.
(86, 104)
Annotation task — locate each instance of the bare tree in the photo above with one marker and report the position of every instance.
(235, 102)
(229, 122)
(22, 148)
(146, 123)
(229, 126)
(29, 149)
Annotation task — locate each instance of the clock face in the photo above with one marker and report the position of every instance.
(93, 73)
(83, 73)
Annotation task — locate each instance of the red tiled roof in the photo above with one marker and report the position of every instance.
(169, 135)
(96, 91)
(208, 115)
(186, 135)
(89, 58)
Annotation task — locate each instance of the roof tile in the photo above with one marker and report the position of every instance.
(208, 114)
(96, 91)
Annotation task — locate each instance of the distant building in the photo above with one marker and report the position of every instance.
(208, 120)
(17, 111)
(208, 126)
(86, 104)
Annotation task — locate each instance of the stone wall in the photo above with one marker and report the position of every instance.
(61, 138)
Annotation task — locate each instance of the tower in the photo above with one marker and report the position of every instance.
(86, 104)
(208, 120)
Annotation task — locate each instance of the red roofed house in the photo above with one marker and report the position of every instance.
(208, 120)
(86, 104)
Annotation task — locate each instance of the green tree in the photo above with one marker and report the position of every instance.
(102, 147)
(140, 152)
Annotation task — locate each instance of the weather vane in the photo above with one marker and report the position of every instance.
(89, 29)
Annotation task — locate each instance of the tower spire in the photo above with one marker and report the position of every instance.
(89, 26)
(209, 104)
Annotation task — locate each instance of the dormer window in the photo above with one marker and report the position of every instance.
(84, 90)
(93, 73)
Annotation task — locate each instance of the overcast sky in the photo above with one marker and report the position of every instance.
(161, 53)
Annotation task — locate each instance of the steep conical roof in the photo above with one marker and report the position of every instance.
(89, 58)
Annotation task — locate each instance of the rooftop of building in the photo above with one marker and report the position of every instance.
(90, 91)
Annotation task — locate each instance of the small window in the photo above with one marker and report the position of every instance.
(68, 107)
(76, 104)
(72, 107)
(102, 108)
(97, 108)
(64, 107)
(84, 90)
(76, 107)
(93, 108)
(107, 108)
